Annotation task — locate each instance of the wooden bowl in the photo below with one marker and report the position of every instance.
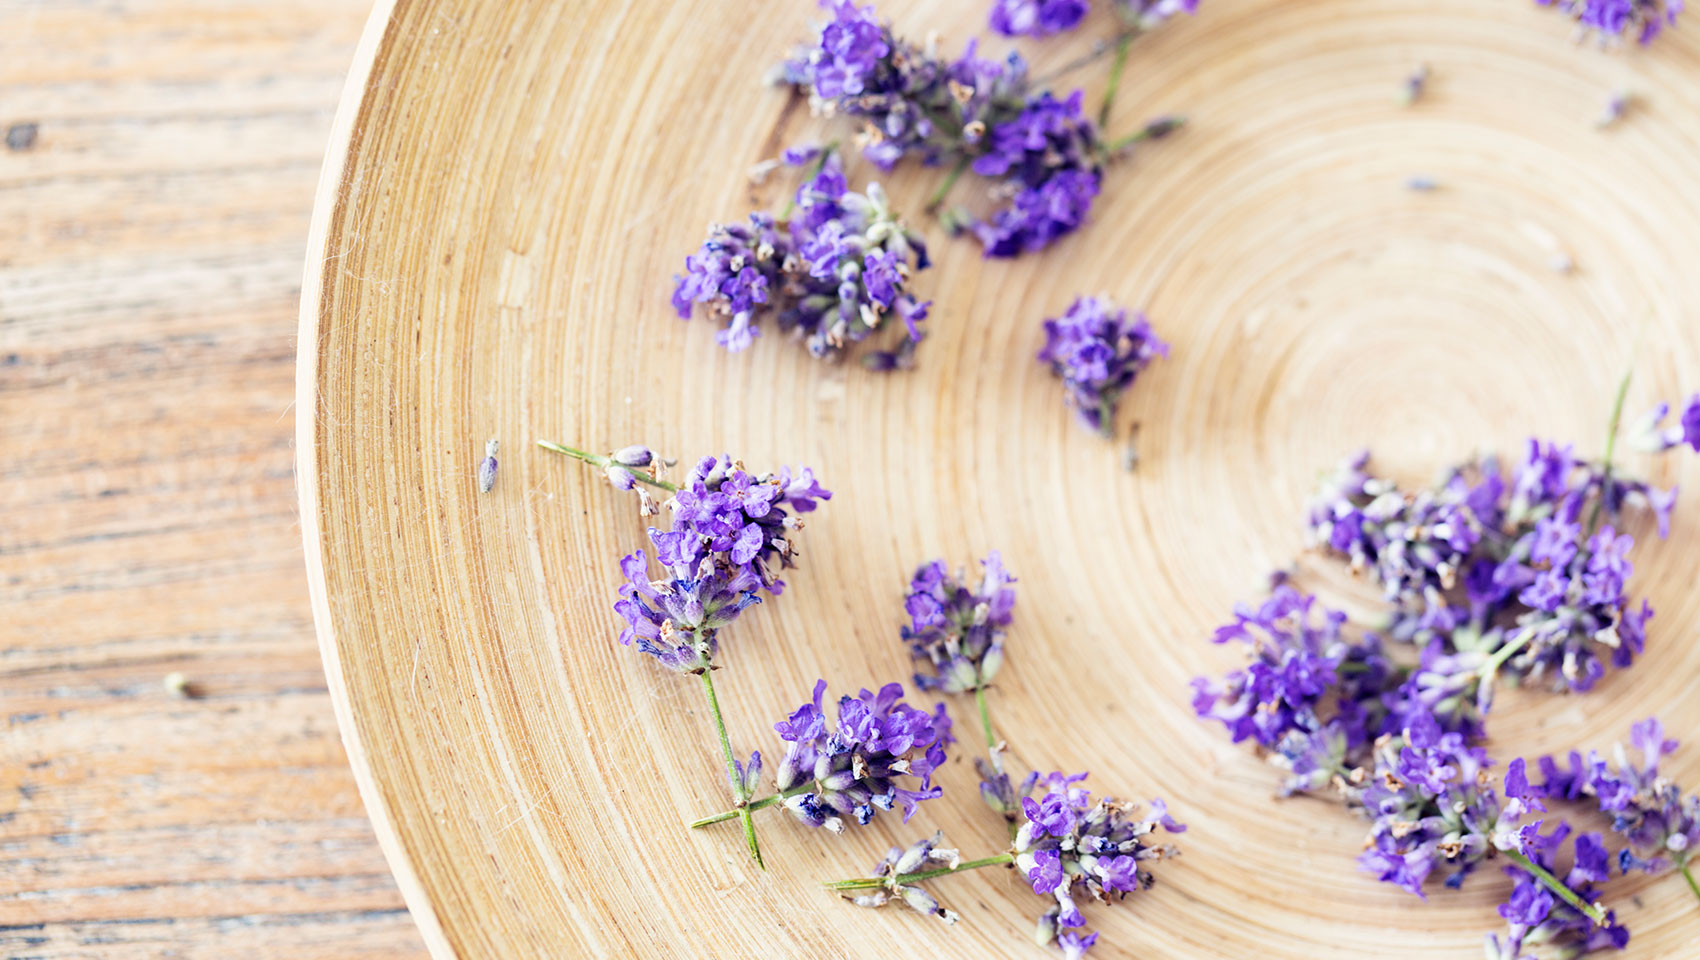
(509, 190)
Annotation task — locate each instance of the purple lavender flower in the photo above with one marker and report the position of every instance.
(1300, 656)
(835, 271)
(1074, 946)
(972, 111)
(1537, 918)
(1661, 825)
(1038, 216)
(1614, 21)
(1497, 574)
(900, 861)
(1098, 351)
(1069, 845)
(1149, 13)
(727, 518)
(677, 621)
(1653, 435)
(853, 768)
(910, 102)
(1049, 156)
(1417, 547)
(1432, 805)
(957, 630)
(1037, 18)
(996, 788)
(857, 257)
(735, 274)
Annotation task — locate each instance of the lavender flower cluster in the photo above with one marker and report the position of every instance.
(853, 768)
(1497, 574)
(1536, 918)
(1041, 18)
(1491, 575)
(958, 630)
(1661, 826)
(910, 101)
(1330, 710)
(1614, 21)
(1069, 847)
(832, 272)
(1098, 351)
(974, 111)
(732, 533)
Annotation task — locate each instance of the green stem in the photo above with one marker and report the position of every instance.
(985, 716)
(1116, 68)
(738, 792)
(767, 801)
(874, 883)
(1143, 133)
(1611, 447)
(1591, 910)
(814, 171)
(1044, 80)
(599, 461)
(1498, 657)
(1689, 876)
(950, 179)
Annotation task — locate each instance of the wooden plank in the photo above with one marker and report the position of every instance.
(148, 283)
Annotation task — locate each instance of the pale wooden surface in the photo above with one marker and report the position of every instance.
(524, 176)
(149, 273)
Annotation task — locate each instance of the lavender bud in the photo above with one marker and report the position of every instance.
(1414, 85)
(1161, 126)
(620, 477)
(1616, 106)
(635, 455)
(1046, 930)
(487, 468)
(875, 899)
(1099, 351)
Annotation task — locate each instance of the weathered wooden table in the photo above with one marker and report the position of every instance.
(156, 173)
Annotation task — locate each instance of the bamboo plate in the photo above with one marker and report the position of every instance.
(510, 189)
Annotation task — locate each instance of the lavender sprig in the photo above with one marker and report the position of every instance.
(1661, 825)
(1098, 351)
(880, 754)
(958, 630)
(832, 270)
(1535, 916)
(1071, 846)
(1040, 18)
(898, 871)
(967, 112)
(1496, 574)
(1068, 847)
(731, 534)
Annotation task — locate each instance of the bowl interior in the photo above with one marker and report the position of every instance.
(519, 181)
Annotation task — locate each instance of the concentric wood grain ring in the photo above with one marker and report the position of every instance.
(513, 185)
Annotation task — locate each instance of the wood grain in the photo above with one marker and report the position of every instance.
(149, 274)
(492, 259)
